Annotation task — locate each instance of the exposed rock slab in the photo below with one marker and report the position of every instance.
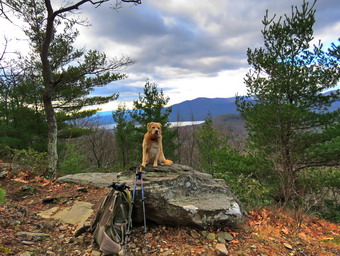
(95, 179)
(77, 213)
(176, 195)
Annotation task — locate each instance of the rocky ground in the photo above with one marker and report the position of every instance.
(269, 231)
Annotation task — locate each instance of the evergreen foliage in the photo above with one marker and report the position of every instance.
(126, 138)
(32, 162)
(208, 142)
(150, 108)
(22, 123)
(63, 76)
(286, 112)
(2, 196)
(73, 162)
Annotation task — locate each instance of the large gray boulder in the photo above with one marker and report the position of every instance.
(179, 195)
(96, 179)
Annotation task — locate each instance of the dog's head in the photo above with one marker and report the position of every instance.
(154, 129)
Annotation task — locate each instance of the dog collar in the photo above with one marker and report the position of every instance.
(152, 137)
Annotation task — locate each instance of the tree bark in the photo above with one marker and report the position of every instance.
(52, 139)
(52, 125)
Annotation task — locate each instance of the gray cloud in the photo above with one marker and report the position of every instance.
(192, 38)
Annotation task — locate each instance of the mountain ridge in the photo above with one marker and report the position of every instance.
(198, 109)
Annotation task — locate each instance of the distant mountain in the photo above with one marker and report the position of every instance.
(198, 109)
(190, 110)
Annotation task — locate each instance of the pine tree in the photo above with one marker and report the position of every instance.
(208, 142)
(150, 107)
(65, 76)
(127, 146)
(287, 115)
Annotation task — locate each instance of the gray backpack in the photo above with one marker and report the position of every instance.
(112, 219)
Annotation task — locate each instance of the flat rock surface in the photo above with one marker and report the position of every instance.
(98, 180)
(174, 195)
(77, 213)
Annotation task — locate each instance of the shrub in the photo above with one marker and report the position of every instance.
(319, 190)
(6, 152)
(31, 161)
(250, 191)
(2, 196)
(241, 172)
(74, 161)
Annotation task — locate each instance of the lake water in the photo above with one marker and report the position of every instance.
(172, 124)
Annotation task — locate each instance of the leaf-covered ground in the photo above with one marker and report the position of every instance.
(269, 231)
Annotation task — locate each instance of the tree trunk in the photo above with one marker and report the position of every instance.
(51, 138)
(288, 187)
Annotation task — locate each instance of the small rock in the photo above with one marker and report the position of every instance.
(221, 240)
(132, 245)
(28, 242)
(95, 253)
(211, 236)
(27, 253)
(63, 228)
(194, 234)
(253, 247)
(221, 250)
(228, 237)
(166, 253)
(26, 189)
(19, 215)
(32, 234)
(3, 175)
(204, 233)
(48, 213)
(288, 246)
(48, 225)
(84, 190)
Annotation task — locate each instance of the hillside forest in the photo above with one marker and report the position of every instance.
(288, 157)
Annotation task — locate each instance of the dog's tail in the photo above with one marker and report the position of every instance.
(167, 162)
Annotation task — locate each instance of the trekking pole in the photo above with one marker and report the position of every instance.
(130, 214)
(138, 176)
(144, 215)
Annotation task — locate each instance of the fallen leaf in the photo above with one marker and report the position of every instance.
(288, 246)
(327, 238)
(234, 242)
(21, 180)
(234, 234)
(285, 230)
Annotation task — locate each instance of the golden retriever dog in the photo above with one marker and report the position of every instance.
(152, 146)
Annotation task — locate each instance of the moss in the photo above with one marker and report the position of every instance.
(5, 250)
(2, 196)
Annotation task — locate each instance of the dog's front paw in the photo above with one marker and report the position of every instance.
(155, 165)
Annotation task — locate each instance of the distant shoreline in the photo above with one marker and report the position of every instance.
(172, 124)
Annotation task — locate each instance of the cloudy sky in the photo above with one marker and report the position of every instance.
(189, 48)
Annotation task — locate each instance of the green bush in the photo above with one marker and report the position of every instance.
(319, 188)
(2, 196)
(242, 172)
(74, 162)
(329, 210)
(31, 161)
(251, 192)
(6, 152)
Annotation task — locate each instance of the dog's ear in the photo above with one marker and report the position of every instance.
(149, 126)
